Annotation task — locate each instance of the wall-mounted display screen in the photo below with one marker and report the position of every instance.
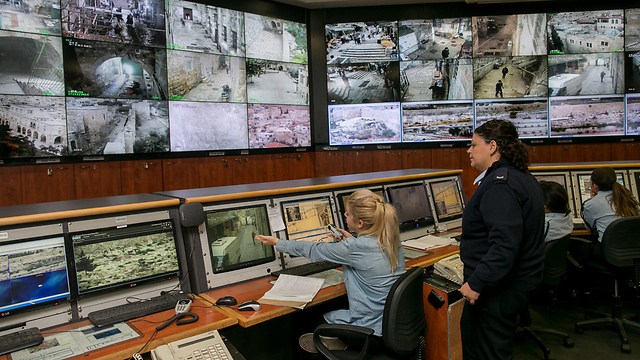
(586, 74)
(273, 126)
(435, 39)
(275, 39)
(433, 121)
(425, 80)
(358, 42)
(272, 82)
(361, 124)
(582, 32)
(363, 83)
(307, 219)
(586, 116)
(510, 77)
(632, 29)
(633, 114)
(509, 35)
(528, 115)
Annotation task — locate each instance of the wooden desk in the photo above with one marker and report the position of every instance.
(209, 319)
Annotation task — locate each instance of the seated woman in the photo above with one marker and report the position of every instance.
(557, 213)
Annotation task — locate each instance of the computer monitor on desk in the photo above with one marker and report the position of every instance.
(634, 182)
(229, 252)
(446, 197)
(582, 185)
(412, 207)
(343, 195)
(563, 178)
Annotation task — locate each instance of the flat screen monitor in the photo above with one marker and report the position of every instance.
(343, 196)
(633, 114)
(274, 126)
(425, 80)
(122, 255)
(357, 83)
(306, 218)
(264, 34)
(582, 32)
(507, 35)
(562, 178)
(510, 77)
(634, 180)
(581, 116)
(586, 74)
(435, 121)
(447, 201)
(230, 237)
(364, 124)
(434, 39)
(632, 29)
(412, 208)
(582, 185)
(528, 115)
(273, 82)
(361, 41)
(33, 273)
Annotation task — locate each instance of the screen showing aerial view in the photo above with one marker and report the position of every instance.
(510, 77)
(435, 39)
(231, 236)
(528, 115)
(307, 220)
(366, 123)
(434, 121)
(361, 42)
(105, 258)
(584, 116)
(424, 80)
(273, 126)
(583, 32)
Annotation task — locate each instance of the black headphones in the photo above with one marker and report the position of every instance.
(178, 319)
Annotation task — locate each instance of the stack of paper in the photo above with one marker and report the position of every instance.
(291, 290)
(427, 242)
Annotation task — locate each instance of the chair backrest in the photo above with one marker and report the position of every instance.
(555, 261)
(621, 241)
(403, 321)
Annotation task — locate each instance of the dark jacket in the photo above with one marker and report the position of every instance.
(502, 242)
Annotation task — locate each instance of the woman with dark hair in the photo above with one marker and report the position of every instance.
(558, 222)
(502, 242)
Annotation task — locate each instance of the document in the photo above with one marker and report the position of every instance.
(291, 290)
(275, 219)
(427, 242)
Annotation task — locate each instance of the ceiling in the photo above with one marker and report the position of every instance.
(323, 4)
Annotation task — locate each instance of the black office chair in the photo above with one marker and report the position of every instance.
(403, 326)
(555, 272)
(621, 253)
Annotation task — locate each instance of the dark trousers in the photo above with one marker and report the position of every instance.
(488, 327)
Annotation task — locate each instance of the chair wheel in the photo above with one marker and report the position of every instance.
(568, 343)
(626, 348)
(579, 329)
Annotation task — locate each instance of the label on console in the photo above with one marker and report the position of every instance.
(121, 219)
(4, 235)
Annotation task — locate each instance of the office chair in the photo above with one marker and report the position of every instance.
(621, 254)
(555, 272)
(403, 326)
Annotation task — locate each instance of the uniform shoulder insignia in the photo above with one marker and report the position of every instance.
(501, 175)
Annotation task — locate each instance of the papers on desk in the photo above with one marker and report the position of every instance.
(428, 242)
(291, 290)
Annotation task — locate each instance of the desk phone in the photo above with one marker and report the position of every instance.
(208, 345)
(451, 268)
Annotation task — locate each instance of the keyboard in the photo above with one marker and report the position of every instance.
(20, 340)
(307, 269)
(136, 309)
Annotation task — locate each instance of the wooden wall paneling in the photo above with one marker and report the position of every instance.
(97, 179)
(446, 158)
(564, 153)
(56, 182)
(329, 163)
(416, 159)
(275, 167)
(141, 176)
(302, 165)
(216, 171)
(358, 162)
(539, 154)
(386, 160)
(468, 175)
(625, 151)
(11, 189)
(249, 169)
(594, 152)
(179, 174)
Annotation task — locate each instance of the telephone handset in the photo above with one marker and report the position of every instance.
(451, 268)
(210, 342)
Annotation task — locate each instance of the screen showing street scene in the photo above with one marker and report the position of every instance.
(274, 126)
(528, 115)
(275, 39)
(197, 126)
(206, 77)
(509, 35)
(364, 124)
(231, 235)
(274, 82)
(633, 114)
(423, 80)
(632, 29)
(363, 83)
(632, 72)
(203, 28)
(586, 74)
(307, 220)
(583, 32)
(109, 126)
(437, 39)
(431, 121)
(105, 258)
(112, 70)
(32, 272)
(33, 16)
(510, 77)
(586, 116)
(32, 126)
(361, 42)
(122, 21)
(447, 200)
(31, 64)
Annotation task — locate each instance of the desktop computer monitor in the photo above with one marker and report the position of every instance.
(634, 182)
(33, 273)
(122, 252)
(411, 202)
(582, 185)
(306, 217)
(341, 201)
(447, 200)
(563, 178)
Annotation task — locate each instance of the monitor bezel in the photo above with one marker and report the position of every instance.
(453, 221)
(407, 230)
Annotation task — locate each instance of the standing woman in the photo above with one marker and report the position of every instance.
(502, 242)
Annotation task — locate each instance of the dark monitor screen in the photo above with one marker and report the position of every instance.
(412, 206)
(342, 202)
(231, 233)
(32, 271)
(307, 219)
(559, 178)
(124, 256)
(447, 199)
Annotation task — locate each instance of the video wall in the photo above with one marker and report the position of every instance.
(554, 75)
(96, 77)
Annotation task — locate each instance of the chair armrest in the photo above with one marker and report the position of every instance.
(338, 330)
(573, 261)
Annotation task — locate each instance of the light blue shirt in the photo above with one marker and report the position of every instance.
(599, 213)
(557, 226)
(367, 276)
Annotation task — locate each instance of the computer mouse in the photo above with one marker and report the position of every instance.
(250, 305)
(227, 300)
